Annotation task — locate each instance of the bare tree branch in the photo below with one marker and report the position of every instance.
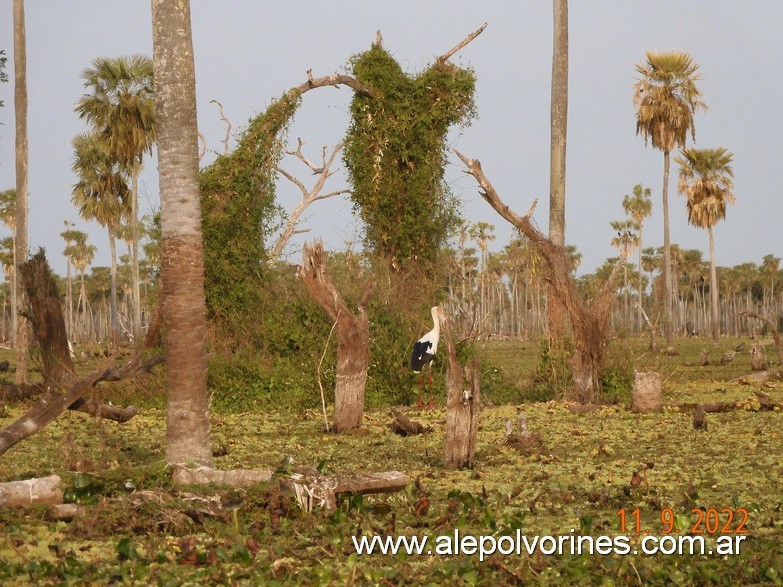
(443, 58)
(225, 119)
(308, 196)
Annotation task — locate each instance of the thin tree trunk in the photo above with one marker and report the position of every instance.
(135, 291)
(20, 112)
(114, 324)
(187, 420)
(667, 258)
(556, 312)
(714, 288)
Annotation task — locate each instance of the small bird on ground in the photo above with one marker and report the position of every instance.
(424, 351)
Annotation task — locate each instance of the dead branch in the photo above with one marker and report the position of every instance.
(443, 58)
(590, 321)
(225, 119)
(308, 196)
(773, 330)
(335, 80)
(202, 150)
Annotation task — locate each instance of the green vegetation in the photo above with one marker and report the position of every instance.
(396, 155)
(139, 528)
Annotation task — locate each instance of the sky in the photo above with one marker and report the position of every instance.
(249, 52)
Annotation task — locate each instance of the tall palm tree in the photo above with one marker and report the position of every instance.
(120, 106)
(22, 158)
(639, 206)
(82, 257)
(184, 309)
(666, 98)
(101, 194)
(626, 240)
(706, 180)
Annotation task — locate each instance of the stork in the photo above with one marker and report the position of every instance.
(423, 353)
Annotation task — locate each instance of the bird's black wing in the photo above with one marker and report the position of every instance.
(418, 355)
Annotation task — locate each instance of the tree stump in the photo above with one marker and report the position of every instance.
(758, 361)
(646, 393)
(353, 338)
(463, 391)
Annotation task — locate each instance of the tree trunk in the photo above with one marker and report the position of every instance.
(714, 288)
(114, 318)
(557, 164)
(463, 403)
(353, 338)
(668, 316)
(135, 290)
(187, 420)
(21, 339)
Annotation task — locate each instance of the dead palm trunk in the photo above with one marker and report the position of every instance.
(353, 338)
(184, 312)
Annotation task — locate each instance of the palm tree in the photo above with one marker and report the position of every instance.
(184, 309)
(706, 180)
(101, 194)
(639, 207)
(626, 240)
(120, 106)
(666, 98)
(22, 159)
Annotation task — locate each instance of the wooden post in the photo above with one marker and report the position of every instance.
(463, 391)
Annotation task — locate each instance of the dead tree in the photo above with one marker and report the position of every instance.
(308, 196)
(590, 321)
(353, 338)
(62, 389)
(463, 402)
(772, 330)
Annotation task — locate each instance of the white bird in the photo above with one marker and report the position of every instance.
(424, 351)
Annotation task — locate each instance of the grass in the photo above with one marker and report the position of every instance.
(140, 529)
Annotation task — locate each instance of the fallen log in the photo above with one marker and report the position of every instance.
(765, 404)
(311, 487)
(404, 426)
(40, 490)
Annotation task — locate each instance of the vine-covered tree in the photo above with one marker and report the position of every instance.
(706, 181)
(396, 154)
(666, 98)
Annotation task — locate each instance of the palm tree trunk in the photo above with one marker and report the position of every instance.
(114, 323)
(556, 313)
(20, 111)
(667, 257)
(135, 291)
(184, 308)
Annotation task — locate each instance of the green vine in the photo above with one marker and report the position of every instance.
(396, 154)
(239, 212)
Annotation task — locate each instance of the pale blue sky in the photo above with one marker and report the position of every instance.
(248, 52)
